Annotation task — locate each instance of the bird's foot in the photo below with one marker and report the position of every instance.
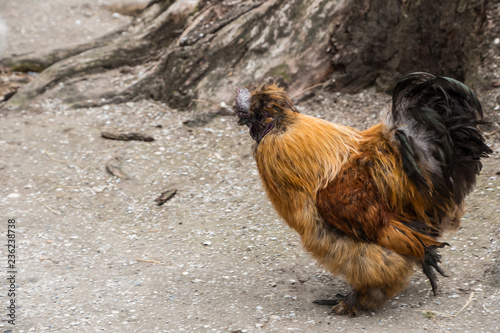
(342, 305)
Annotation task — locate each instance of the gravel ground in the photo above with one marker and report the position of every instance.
(95, 252)
(47, 24)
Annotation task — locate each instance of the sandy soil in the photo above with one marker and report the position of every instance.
(95, 252)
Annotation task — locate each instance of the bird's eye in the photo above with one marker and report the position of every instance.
(258, 116)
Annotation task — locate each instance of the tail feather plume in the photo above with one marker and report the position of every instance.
(436, 125)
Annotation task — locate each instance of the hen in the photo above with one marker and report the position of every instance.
(370, 205)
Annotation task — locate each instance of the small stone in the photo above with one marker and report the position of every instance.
(13, 195)
(207, 243)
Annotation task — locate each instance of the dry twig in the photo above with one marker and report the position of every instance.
(127, 136)
(49, 208)
(447, 314)
(307, 89)
(493, 132)
(165, 196)
(52, 158)
(113, 166)
(150, 261)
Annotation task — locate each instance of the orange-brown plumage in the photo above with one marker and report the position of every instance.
(369, 205)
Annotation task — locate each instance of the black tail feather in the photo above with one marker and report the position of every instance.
(436, 124)
(431, 260)
(422, 228)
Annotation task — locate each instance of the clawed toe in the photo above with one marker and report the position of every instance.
(329, 302)
(340, 305)
(343, 308)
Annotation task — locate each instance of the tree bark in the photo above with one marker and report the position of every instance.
(186, 51)
(377, 42)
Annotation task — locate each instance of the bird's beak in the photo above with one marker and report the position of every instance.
(243, 118)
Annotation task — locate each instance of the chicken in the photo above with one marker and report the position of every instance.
(370, 205)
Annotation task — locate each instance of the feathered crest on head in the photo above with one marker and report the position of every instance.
(270, 97)
(242, 104)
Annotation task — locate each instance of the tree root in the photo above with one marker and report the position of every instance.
(32, 62)
(124, 47)
(181, 51)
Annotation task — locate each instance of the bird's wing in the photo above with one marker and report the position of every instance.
(354, 205)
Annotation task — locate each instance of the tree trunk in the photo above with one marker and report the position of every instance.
(186, 51)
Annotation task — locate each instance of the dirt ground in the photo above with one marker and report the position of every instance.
(96, 253)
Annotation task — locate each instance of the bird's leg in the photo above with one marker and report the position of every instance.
(368, 298)
(342, 305)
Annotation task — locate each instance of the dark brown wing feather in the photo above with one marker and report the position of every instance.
(354, 206)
